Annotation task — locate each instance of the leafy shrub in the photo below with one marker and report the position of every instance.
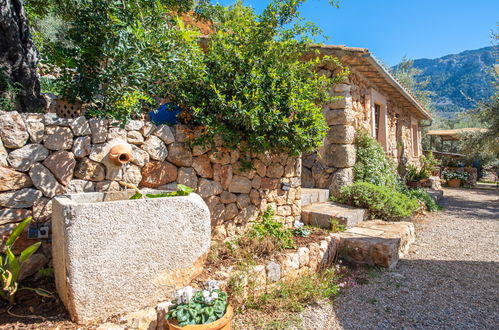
(381, 201)
(270, 228)
(429, 163)
(424, 197)
(415, 175)
(372, 165)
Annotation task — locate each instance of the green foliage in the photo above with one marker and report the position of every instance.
(429, 163)
(372, 165)
(10, 265)
(415, 175)
(450, 175)
(336, 226)
(270, 228)
(424, 197)
(204, 307)
(9, 92)
(381, 201)
(302, 231)
(181, 191)
(257, 87)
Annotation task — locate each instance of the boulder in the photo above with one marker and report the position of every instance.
(13, 130)
(11, 180)
(61, 164)
(155, 174)
(155, 147)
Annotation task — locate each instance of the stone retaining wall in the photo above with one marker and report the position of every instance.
(42, 155)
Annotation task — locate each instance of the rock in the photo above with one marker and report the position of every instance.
(145, 319)
(209, 188)
(82, 146)
(22, 159)
(223, 174)
(284, 210)
(13, 130)
(243, 201)
(42, 209)
(181, 133)
(110, 326)
(13, 215)
(134, 125)
(133, 174)
(32, 265)
(155, 174)
(51, 119)
(3, 155)
(217, 215)
(58, 138)
(307, 179)
(107, 186)
(98, 127)
(80, 126)
(240, 184)
(220, 157)
(11, 180)
(227, 197)
(134, 137)
(339, 117)
(45, 181)
(35, 127)
(231, 211)
(260, 167)
(61, 164)
(165, 133)
(256, 182)
(340, 134)
(275, 170)
(187, 176)
(255, 197)
(166, 255)
(147, 129)
(202, 165)
(269, 183)
(79, 186)
(155, 147)
(87, 169)
(19, 199)
(341, 178)
(273, 272)
(116, 133)
(140, 157)
(199, 150)
(179, 154)
(303, 256)
(341, 155)
(161, 310)
(248, 214)
(345, 102)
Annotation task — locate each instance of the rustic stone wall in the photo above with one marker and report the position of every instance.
(42, 155)
(332, 166)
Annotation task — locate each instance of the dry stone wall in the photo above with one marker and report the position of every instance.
(42, 155)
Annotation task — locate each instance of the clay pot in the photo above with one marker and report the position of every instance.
(413, 184)
(454, 183)
(120, 154)
(223, 323)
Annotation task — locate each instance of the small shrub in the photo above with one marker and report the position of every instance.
(336, 226)
(424, 197)
(382, 202)
(415, 175)
(273, 231)
(429, 162)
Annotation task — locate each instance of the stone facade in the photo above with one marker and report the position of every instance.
(42, 155)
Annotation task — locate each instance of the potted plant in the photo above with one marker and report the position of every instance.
(200, 310)
(415, 177)
(430, 164)
(454, 178)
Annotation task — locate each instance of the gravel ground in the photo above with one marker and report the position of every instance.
(449, 280)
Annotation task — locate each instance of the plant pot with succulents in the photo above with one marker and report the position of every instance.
(200, 310)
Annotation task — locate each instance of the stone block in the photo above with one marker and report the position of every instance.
(98, 127)
(34, 126)
(187, 176)
(320, 215)
(82, 146)
(273, 272)
(340, 134)
(149, 256)
(3, 155)
(134, 137)
(240, 184)
(155, 174)
(45, 181)
(341, 155)
(80, 126)
(179, 154)
(13, 215)
(19, 199)
(339, 117)
(87, 169)
(209, 188)
(58, 138)
(341, 178)
(165, 133)
(21, 159)
(155, 147)
(202, 165)
(61, 164)
(13, 130)
(11, 180)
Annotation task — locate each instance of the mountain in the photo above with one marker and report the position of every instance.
(461, 80)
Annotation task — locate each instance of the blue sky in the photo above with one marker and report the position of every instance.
(392, 29)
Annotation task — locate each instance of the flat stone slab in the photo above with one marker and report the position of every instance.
(320, 214)
(312, 195)
(114, 255)
(376, 242)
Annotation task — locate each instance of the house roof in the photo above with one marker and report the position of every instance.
(454, 134)
(364, 62)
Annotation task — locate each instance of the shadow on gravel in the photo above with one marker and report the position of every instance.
(425, 294)
(485, 204)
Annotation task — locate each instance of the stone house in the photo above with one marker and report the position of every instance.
(372, 99)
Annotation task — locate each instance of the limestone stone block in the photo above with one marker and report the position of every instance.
(45, 181)
(61, 164)
(303, 256)
(341, 178)
(307, 178)
(179, 154)
(80, 126)
(149, 256)
(155, 174)
(275, 170)
(227, 197)
(147, 129)
(340, 134)
(202, 165)
(58, 138)
(9, 215)
(273, 272)
(87, 169)
(82, 146)
(269, 183)
(21, 159)
(51, 119)
(209, 188)
(79, 186)
(133, 174)
(134, 125)
(344, 102)
(248, 214)
(3, 155)
(116, 133)
(255, 197)
(42, 209)
(140, 157)
(13, 130)
(134, 137)
(155, 147)
(98, 127)
(144, 319)
(240, 184)
(187, 176)
(223, 174)
(341, 155)
(11, 180)
(260, 167)
(339, 117)
(181, 133)
(104, 186)
(231, 211)
(165, 133)
(19, 199)
(243, 200)
(34, 126)
(256, 183)
(199, 150)
(220, 157)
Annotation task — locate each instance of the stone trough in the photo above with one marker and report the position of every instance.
(113, 255)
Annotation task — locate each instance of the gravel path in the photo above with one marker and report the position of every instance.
(449, 280)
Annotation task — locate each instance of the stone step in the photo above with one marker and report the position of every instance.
(376, 242)
(312, 195)
(320, 214)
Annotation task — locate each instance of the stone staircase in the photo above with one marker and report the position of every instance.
(374, 242)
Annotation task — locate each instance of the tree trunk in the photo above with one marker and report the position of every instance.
(18, 57)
